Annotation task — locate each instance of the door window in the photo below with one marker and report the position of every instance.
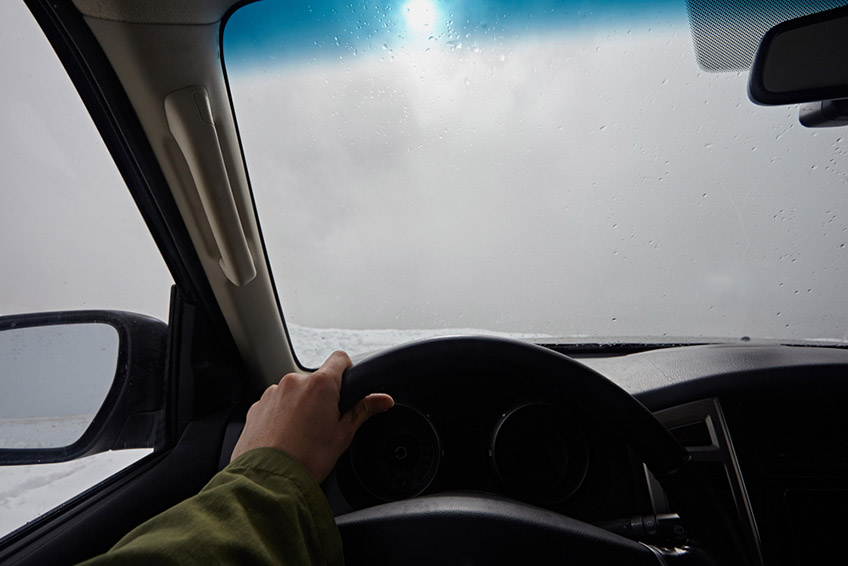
(71, 238)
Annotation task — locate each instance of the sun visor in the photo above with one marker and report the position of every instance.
(727, 33)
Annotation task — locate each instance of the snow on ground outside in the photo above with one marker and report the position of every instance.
(314, 345)
(43, 432)
(28, 491)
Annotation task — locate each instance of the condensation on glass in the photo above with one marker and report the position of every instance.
(558, 170)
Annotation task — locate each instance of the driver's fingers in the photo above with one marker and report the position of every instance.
(364, 410)
(335, 366)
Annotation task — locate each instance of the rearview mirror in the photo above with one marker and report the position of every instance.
(78, 383)
(804, 60)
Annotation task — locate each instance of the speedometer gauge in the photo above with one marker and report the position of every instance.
(395, 455)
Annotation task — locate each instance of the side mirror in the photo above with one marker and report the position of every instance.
(805, 60)
(78, 383)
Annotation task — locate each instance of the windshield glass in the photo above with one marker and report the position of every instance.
(570, 171)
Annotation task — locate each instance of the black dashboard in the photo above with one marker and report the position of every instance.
(766, 424)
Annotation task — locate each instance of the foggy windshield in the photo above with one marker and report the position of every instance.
(561, 170)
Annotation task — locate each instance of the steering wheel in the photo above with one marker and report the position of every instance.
(484, 529)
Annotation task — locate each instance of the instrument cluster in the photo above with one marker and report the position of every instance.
(545, 452)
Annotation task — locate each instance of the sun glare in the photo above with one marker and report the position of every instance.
(420, 15)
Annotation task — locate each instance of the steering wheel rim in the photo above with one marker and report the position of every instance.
(417, 364)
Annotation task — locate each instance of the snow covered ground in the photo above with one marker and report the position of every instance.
(28, 491)
(43, 432)
(313, 345)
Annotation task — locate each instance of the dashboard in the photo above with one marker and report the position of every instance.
(765, 424)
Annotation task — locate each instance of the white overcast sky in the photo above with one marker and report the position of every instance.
(544, 184)
(70, 234)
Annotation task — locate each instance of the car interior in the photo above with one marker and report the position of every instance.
(500, 449)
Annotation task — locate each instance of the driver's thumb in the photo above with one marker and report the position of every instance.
(365, 409)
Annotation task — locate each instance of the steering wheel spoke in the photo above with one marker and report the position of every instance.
(473, 529)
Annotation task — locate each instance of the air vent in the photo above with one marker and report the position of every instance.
(701, 428)
(693, 434)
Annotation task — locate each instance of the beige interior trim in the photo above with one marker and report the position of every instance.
(154, 61)
(192, 12)
(189, 115)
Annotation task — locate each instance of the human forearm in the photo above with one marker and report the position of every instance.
(264, 508)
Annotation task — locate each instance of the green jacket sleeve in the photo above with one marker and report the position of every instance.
(264, 508)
